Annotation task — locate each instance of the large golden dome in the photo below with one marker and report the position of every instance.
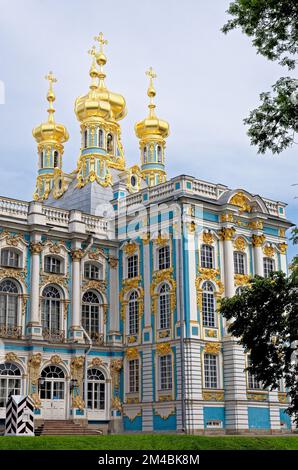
(99, 102)
(50, 131)
(152, 125)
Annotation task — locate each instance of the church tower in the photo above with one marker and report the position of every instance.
(98, 113)
(152, 133)
(50, 137)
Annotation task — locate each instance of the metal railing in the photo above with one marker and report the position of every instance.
(53, 335)
(10, 331)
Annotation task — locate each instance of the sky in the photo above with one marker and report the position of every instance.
(207, 82)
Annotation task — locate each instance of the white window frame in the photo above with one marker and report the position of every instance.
(265, 267)
(165, 364)
(11, 253)
(238, 264)
(134, 375)
(207, 314)
(211, 381)
(135, 269)
(205, 260)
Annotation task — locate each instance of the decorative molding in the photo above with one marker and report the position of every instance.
(241, 279)
(241, 201)
(77, 255)
(130, 248)
(228, 217)
(213, 395)
(208, 238)
(132, 353)
(59, 279)
(36, 248)
(283, 248)
(11, 357)
(227, 233)
(116, 404)
(34, 363)
(282, 397)
(161, 240)
(162, 349)
(256, 225)
(257, 396)
(212, 348)
(113, 261)
(56, 359)
(269, 251)
(258, 240)
(13, 273)
(96, 362)
(240, 244)
(78, 402)
(12, 240)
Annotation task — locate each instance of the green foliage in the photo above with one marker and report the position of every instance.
(272, 126)
(272, 24)
(149, 442)
(265, 321)
(273, 27)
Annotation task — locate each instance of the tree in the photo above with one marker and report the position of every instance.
(273, 27)
(264, 318)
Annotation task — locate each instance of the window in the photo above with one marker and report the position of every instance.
(53, 383)
(110, 143)
(41, 160)
(165, 365)
(96, 390)
(164, 307)
(145, 154)
(239, 263)
(8, 303)
(208, 305)
(52, 265)
(268, 266)
(164, 261)
(253, 384)
(56, 159)
(10, 258)
(50, 311)
(159, 154)
(100, 138)
(132, 266)
(210, 370)
(92, 271)
(91, 314)
(207, 257)
(10, 382)
(133, 314)
(85, 138)
(134, 376)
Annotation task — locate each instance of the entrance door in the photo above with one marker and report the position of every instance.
(52, 392)
(97, 398)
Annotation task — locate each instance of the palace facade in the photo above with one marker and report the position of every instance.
(110, 282)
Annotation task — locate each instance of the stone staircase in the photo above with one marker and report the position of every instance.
(65, 428)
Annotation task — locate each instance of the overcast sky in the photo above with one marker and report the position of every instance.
(207, 83)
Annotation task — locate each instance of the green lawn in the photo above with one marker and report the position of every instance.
(150, 442)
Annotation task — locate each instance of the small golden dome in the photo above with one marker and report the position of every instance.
(99, 102)
(50, 131)
(152, 125)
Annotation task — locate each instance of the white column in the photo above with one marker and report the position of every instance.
(77, 255)
(258, 241)
(34, 327)
(283, 257)
(227, 234)
(114, 295)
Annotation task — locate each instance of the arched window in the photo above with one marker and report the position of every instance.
(164, 260)
(85, 138)
(10, 382)
(41, 159)
(96, 387)
(91, 303)
(145, 154)
(110, 143)
(239, 262)
(164, 307)
(207, 257)
(268, 264)
(50, 311)
(132, 266)
(93, 271)
(8, 304)
(133, 314)
(10, 258)
(52, 383)
(52, 265)
(100, 138)
(208, 305)
(159, 154)
(56, 159)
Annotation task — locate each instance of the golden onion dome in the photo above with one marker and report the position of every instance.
(50, 131)
(152, 125)
(99, 102)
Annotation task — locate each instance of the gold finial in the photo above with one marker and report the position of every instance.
(51, 95)
(151, 90)
(101, 58)
(93, 69)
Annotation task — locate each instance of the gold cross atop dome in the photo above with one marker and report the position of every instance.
(101, 41)
(151, 91)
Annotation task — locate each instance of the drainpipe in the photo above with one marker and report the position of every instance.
(87, 351)
(182, 319)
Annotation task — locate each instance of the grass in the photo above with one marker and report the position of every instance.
(149, 442)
